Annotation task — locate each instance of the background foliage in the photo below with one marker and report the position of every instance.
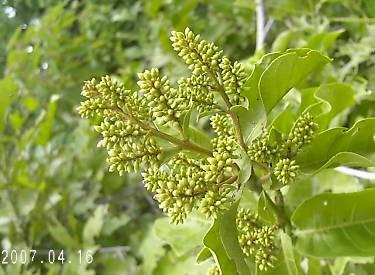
(55, 191)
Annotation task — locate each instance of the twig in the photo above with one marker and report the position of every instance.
(181, 143)
(352, 20)
(356, 173)
(268, 26)
(261, 21)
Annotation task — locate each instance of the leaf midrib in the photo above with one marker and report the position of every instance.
(333, 227)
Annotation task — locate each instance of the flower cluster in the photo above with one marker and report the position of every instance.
(222, 125)
(197, 92)
(233, 78)
(129, 145)
(256, 240)
(279, 157)
(186, 187)
(285, 170)
(142, 129)
(205, 58)
(161, 99)
(261, 150)
(301, 134)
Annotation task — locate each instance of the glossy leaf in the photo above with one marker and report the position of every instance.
(251, 121)
(334, 98)
(203, 255)
(265, 211)
(282, 41)
(328, 149)
(229, 238)
(283, 123)
(245, 167)
(172, 264)
(253, 118)
(323, 41)
(199, 137)
(332, 225)
(288, 71)
(213, 242)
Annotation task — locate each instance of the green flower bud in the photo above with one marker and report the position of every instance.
(233, 78)
(301, 134)
(196, 91)
(222, 124)
(256, 240)
(128, 157)
(198, 54)
(218, 168)
(286, 170)
(159, 96)
(264, 258)
(261, 151)
(216, 201)
(214, 270)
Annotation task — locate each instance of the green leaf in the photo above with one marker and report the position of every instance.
(339, 146)
(347, 159)
(284, 121)
(229, 238)
(94, 225)
(323, 41)
(17, 119)
(222, 241)
(172, 264)
(282, 41)
(45, 127)
(290, 261)
(333, 225)
(62, 236)
(199, 137)
(7, 92)
(213, 242)
(183, 238)
(265, 211)
(203, 255)
(244, 163)
(114, 223)
(314, 266)
(339, 265)
(253, 118)
(186, 123)
(336, 97)
(31, 103)
(151, 249)
(251, 121)
(330, 180)
(288, 71)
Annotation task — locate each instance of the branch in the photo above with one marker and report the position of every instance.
(268, 26)
(261, 22)
(353, 20)
(356, 173)
(181, 143)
